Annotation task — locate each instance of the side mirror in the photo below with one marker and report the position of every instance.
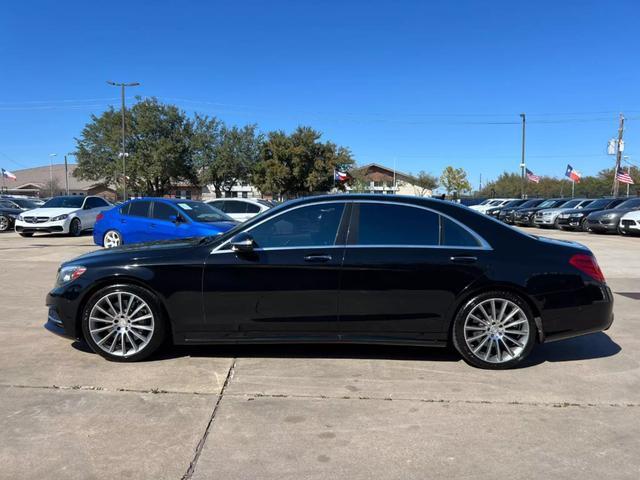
(177, 219)
(242, 243)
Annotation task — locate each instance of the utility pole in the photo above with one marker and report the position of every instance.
(522, 162)
(123, 152)
(616, 184)
(51, 155)
(66, 176)
(480, 187)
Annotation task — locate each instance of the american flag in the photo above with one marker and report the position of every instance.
(532, 177)
(624, 177)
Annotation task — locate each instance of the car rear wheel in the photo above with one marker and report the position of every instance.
(124, 323)
(112, 239)
(494, 330)
(4, 223)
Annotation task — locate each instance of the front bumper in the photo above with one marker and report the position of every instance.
(523, 220)
(630, 226)
(63, 307)
(570, 222)
(603, 225)
(544, 221)
(60, 226)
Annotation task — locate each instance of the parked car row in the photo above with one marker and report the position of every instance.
(600, 215)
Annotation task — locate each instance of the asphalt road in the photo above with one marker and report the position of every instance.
(313, 412)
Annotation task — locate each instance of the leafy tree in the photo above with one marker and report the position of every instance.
(299, 163)
(157, 144)
(455, 180)
(358, 180)
(224, 156)
(424, 182)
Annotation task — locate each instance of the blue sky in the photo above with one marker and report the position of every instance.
(422, 84)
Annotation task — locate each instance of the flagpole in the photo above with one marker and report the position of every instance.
(4, 188)
(573, 188)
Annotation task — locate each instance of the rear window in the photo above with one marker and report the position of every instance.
(386, 224)
(454, 235)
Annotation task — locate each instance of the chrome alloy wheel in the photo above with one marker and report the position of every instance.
(4, 223)
(121, 323)
(112, 239)
(496, 330)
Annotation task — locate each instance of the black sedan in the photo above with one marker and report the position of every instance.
(506, 214)
(576, 219)
(340, 268)
(513, 204)
(606, 221)
(10, 208)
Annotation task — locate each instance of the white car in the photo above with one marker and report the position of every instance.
(630, 223)
(549, 216)
(70, 215)
(491, 203)
(241, 209)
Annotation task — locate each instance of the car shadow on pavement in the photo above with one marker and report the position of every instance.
(587, 347)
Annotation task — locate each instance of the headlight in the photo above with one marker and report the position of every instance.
(578, 215)
(609, 215)
(69, 274)
(59, 217)
(546, 214)
(20, 218)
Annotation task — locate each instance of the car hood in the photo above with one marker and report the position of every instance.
(12, 211)
(617, 212)
(137, 250)
(632, 215)
(49, 212)
(219, 226)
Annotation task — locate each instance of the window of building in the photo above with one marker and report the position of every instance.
(314, 225)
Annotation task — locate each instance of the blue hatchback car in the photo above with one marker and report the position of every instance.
(150, 219)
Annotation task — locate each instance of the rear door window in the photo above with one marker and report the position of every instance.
(139, 209)
(388, 224)
(234, 206)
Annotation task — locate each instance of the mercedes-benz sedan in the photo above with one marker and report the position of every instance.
(341, 268)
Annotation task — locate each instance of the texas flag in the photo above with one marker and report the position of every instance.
(340, 176)
(574, 175)
(8, 174)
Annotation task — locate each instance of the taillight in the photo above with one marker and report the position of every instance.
(589, 265)
(99, 217)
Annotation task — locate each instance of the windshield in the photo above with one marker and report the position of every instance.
(22, 203)
(203, 212)
(266, 203)
(530, 203)
(496, 202)
(632, 203)
(602, 203)
(64, 202)
(484, 202)
(572, 203)
(513, 203)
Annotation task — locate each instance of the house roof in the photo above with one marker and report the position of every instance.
(399, 175)
(38, 177)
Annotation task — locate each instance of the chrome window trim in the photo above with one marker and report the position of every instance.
(484, 245)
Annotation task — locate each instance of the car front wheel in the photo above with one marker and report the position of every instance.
(494, 330)
(123, 323)
(4, 223)
(75, 228)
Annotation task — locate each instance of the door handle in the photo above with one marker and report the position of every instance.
(152, 225)
(317, 258)
(464, 259)
(122, 220)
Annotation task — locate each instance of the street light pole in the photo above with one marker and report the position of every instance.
(522, 162)
(123, 152)
(51, 155)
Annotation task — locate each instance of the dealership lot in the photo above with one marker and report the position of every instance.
(313, 411)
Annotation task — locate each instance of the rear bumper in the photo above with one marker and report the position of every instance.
(592, 316)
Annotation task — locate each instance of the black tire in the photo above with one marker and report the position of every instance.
(5, 223)
(463, 348)
(622, 231)
(75, 228)
(23, 234)
(584, 226)
(159, 323)
(556, 224)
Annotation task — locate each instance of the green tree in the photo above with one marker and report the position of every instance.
(224, 156)
(424, 182)
(157, 144)
(299, 163)
(455, 180)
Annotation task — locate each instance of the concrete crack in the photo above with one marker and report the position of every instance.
(192, 465)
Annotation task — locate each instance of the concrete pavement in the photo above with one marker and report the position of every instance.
(313, 411)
